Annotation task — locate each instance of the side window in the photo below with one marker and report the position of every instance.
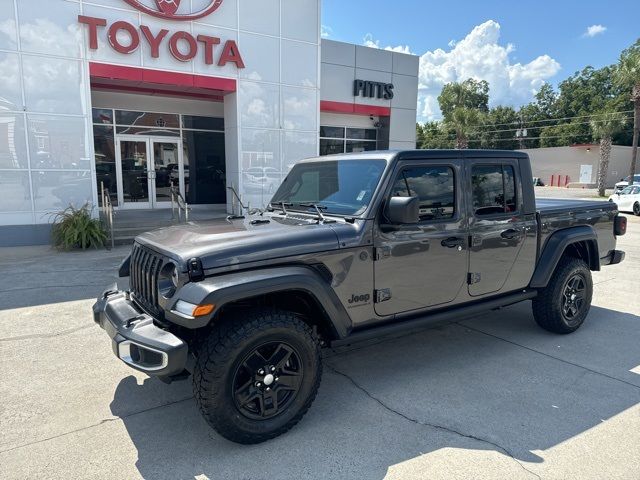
(434, 186)
(494, 189)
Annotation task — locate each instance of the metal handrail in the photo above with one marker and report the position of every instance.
(107, 211)
(177, 200)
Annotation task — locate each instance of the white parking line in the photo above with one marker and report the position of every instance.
(635, 370)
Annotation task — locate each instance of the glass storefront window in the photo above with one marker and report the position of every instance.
(362, 146)
(330, 147)
(147, 119)
(346, 140)
(105, 155)
(332, 132)
(362, 133)
(204, 167)
(196, 122)
(102, 115)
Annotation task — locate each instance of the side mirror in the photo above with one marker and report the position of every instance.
(403, 210)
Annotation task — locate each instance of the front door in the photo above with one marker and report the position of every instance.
(423, 265)
(146, 168)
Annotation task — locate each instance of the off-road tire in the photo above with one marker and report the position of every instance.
(636, 209)
(548, 306)
(221, 355)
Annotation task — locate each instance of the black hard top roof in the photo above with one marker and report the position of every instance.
(390, 155)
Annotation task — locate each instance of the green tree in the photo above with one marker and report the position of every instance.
(471, 94)
(463, 121)
(604, 127)
(499, 129)
(435, 134)
(627, 76)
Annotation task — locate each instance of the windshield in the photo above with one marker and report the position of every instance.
(343, 187)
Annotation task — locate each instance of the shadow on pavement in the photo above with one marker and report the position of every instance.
(457, 386)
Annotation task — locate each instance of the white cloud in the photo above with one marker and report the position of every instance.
(368, 41)
(480, 56)
(594, 30)
(326, 31)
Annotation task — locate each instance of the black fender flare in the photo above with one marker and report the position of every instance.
(224, 289)
(555, 247)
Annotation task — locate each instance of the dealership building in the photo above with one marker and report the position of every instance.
(138, 95)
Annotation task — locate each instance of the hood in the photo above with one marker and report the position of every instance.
(223, 243)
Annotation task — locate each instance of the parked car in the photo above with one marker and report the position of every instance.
(352, 247)
(628, 199)
(625, 182)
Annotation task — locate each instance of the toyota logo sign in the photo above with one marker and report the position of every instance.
(167, 9)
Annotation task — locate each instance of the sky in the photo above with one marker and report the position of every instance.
(515, 46)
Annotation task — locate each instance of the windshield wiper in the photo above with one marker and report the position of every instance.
(282, 205)
(318, 209)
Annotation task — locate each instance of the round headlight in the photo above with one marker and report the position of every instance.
(168, 280)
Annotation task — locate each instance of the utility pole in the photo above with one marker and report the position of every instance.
(521, 133)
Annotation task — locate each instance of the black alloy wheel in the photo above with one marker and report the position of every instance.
(573, 296)
(267, 381)
(636, 209)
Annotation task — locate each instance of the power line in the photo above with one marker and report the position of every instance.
(506, 130)
(555, 119)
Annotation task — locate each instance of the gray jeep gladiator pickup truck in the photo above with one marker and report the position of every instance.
(351, 247)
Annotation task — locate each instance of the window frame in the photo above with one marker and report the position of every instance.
(502, 164)
(457, 200)
(346, 138)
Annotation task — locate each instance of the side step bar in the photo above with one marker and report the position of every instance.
(448, 315)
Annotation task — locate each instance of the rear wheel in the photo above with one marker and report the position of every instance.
(636, 209)
(563, 305)
(257, 375)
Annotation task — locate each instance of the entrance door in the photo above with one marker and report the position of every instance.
(146, 168)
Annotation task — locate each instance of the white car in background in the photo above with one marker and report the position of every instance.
(628, 199)
(625, 182)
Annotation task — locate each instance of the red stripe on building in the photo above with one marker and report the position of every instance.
(354, 108)
(159, 77)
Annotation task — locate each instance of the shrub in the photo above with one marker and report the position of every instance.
(74, 228)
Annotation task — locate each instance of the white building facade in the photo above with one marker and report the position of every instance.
(138, 95)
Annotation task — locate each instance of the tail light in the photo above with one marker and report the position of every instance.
(620, 225)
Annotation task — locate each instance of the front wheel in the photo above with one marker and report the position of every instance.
(257, 375)
(563, 305)
(636, 209)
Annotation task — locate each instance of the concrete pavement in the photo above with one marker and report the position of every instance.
(491, 397)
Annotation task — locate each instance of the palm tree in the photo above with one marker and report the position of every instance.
(463, 120)
(628, 76)
(603, 129)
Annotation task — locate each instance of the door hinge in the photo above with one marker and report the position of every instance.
(382, 295)
(381, 252)
(473, 278)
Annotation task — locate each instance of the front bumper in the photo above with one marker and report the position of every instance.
(135, 339)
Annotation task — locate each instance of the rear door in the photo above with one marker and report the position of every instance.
(425, 264)
(497, 225)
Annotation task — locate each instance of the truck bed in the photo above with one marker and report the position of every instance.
(556, 214)
(549, 206)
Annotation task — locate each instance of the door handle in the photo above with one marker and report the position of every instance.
(510, 234)
(452, 242)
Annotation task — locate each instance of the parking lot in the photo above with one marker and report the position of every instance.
(489, 397)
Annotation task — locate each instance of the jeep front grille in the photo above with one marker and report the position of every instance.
(143, 280)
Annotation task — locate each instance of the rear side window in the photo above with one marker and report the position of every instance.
(494, 189)
(434, 186)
